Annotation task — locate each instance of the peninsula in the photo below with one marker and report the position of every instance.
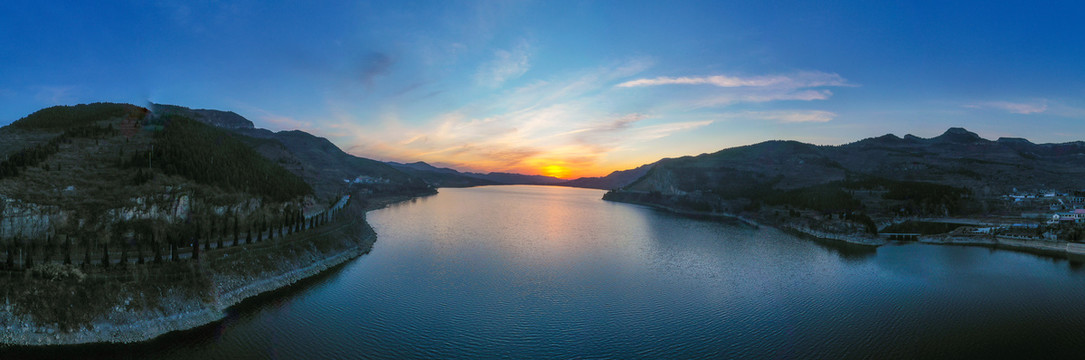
(119, 223)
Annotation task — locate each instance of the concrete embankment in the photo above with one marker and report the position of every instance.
(1045, 247)
(849, 239)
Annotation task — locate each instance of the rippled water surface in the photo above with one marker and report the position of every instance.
(550, 272)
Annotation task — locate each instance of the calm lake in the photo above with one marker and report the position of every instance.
(552, 272)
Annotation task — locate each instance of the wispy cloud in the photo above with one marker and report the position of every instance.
(786, 116)
(1013, 107)
(727, 90)
(796, 81)
(563, 121)
(506, 65)
(762, 95)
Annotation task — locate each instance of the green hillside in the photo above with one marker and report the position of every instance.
(212, 156)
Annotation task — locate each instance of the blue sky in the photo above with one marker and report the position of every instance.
(563, 88)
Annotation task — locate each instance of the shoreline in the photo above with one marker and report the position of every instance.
(697, 214)
(1061, 249)
(149, 329)
(844, 239)
(120, 325)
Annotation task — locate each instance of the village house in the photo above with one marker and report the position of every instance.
(1077, 216)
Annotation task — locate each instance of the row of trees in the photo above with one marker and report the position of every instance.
(154, 241)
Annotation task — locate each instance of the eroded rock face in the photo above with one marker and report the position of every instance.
(663, 181)
(26, 220)
(34, 221)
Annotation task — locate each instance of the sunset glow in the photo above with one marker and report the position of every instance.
(556, 171)
(563, 88)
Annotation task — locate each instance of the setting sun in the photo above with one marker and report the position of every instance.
(557, 171)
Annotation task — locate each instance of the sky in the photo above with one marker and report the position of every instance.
(563, 88)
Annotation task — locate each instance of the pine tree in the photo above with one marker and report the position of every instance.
(173, 248)
(124, 254)
(11, 256)
(139, 248)
(29, 263)
(86, 250)
(260, 231)
(157, 249)
(67, 250)
(223, 235)
(206, 241)
(237, 232)
(105, 255)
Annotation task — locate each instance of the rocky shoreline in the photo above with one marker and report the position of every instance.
(193, 314)
(179, 310)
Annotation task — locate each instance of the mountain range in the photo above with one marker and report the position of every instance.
(315, 159)
(956, 173)
(957, 158)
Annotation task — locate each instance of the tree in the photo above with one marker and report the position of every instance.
(218, 240)
(200, 233)
(155, 239)
(104, 239)
(86, 248)
(297, 221)
(196, 248)
(225, 226)
(290, 221)
(124, 253)
(47, 249)
(28, 254)
(237, 232)
(172, 240)
(260, 230)
(282, 223)
(11, 255)
(140, 240)
(67, 250)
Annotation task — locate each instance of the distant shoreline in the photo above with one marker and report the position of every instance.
(1049, 248)
(691, 213)
(794, 230)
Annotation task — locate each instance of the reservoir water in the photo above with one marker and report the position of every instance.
(551, 272)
